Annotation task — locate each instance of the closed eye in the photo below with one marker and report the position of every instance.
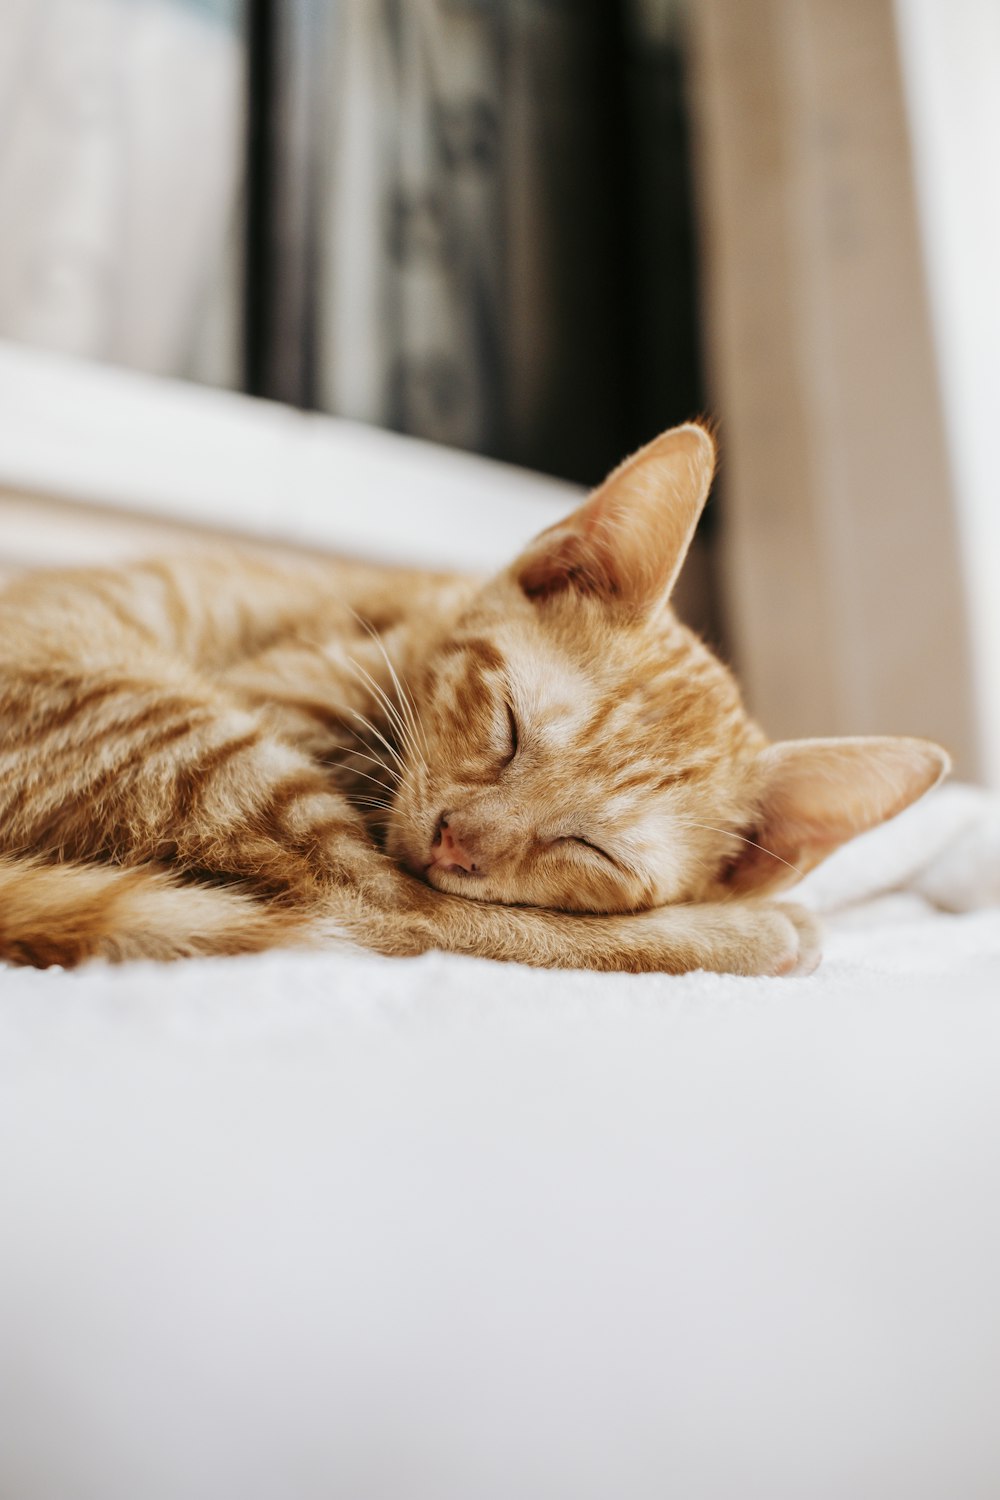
(514, 738)
(595, 848)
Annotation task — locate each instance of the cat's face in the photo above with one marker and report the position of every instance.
(581, 750)
(575, 767)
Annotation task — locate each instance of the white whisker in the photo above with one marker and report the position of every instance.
(376, 760)
(397, 722)
(391, 749)
(352, 771)
(730, 833)
(405, 697)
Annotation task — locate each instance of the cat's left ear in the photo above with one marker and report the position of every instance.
(626, 544)
(814, 795)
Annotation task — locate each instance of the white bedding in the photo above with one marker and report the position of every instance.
(345, 1228)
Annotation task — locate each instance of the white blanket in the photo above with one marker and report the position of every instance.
(307, 1227)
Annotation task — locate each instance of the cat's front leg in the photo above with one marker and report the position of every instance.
(751, 938)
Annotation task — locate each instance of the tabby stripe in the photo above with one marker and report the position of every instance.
(483, 650)
(80, 812)
(100, 778)
(274, 814)
(26, 730)
(101, 737)
(638, 778)
(322, 713)
(191, 781)
(152, 718)
(473, 694)
(676, 778)
(304, 784)
(598, 721)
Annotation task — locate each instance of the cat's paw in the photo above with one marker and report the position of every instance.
(775, 940)
(756, 938)
(810, 933)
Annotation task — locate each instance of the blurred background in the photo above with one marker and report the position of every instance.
(542, 231)
(470, 220)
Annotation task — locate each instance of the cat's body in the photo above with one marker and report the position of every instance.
(218, 755)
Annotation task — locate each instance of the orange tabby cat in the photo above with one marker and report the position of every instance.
(219, 756)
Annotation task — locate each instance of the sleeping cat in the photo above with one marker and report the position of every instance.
(219, 756)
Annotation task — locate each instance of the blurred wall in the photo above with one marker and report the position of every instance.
(951, 60)
(121, 162)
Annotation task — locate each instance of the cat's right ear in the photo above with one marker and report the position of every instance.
(814, 795)
(626, 544)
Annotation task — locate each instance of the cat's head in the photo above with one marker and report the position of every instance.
(581, 749)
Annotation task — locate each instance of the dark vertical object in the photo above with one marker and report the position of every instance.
(621, 204)
(285, 133)
(564, 130)
(258, 274)
(665, 341)
(601, 305)
(665, 377)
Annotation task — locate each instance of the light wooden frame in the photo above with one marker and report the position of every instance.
(844, 576)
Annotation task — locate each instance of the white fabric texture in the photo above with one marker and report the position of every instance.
(317, 1227)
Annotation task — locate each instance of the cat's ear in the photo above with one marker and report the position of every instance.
(814, 795)
(627, 542)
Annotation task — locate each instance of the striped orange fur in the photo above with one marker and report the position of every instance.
(219, 755)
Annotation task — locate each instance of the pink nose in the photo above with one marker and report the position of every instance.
(448, 852)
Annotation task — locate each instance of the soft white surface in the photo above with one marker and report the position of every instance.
(337, 1226)
(90, 433)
